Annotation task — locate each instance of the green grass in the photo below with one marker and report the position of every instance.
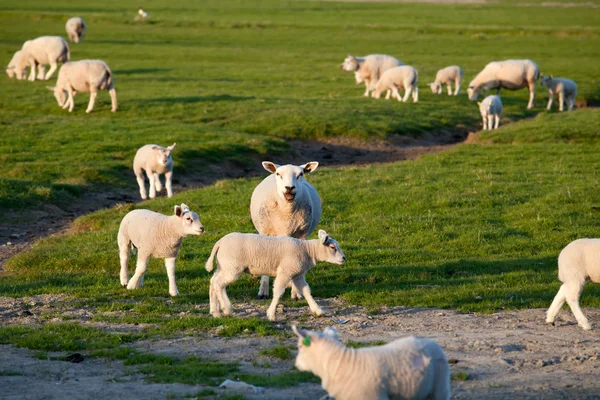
(280, 351)
(358, 345)
(460, 376)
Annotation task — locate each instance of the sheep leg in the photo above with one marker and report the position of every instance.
(219, 282)
(137, 280)
(366, 94)
(407, 91)
(170, 264)
(556, 305)
(561, 101)
(415, 94)
(41, 72)
(396, 94)
(150, 176)
(139, 175)
(124, 258)
(90, 107)
(113, 99)
(279, 284)
(531, 103)
(457, 88)
(441, 384)
(449, 87)
(484, 123)
(53, 66)
(302, 285)
(32, 67)
(497, 121)
(573, 291)
(263, 291)
(490, 122)
(215, 308)
(550, 99)
(70, 100)
(388, 93)
(296, 293)
(570, 103)
(168, 183)
(157, 182)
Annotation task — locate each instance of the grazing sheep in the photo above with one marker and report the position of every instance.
(155, 235)
(394, 78)
(142, 15)
(75, 29)
(369, 69)
(154, 160)
(446, 76)
(285, 258)
(565, 88)
(407, 368)
(578, 262)
(508, 74)
(41, 51)
(84, 76)
(285, 204)
(490, 109)
(11, 68)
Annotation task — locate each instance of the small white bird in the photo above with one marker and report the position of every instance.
(143, 13)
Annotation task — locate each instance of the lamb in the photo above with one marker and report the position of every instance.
(285, 204)
(407, 368)
(75, 29)
(369, 69)
(394, 78)
(154, 160)
(11, 68)
(84, 76)
(578, 262)
(490, 109)
(285, 258)
(154, 235)
(446, 76)
(565, 88)
(508, 74)
(41, 51)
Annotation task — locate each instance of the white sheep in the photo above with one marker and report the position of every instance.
(369, 69)
(490, 109)
(76, 28)
(41, 51)
(154, 235)
(394, 78)
(578, 262)
(287, 259)
(508, 74)
(84, 76)
(408, 368)
(285, 204)
(447, 76)
(11, 68)
(565, 88)
(154, 160)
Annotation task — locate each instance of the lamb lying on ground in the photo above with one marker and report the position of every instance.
(490, 109)
(369, 69)
(76, 28)
(565, 88)
(578, 262)
(285, 258)
(154, 160)
(84, 76)
(154, 235)
(394, 78)
(447, 76)
(41, 51)
(407, 368)
(285, 204)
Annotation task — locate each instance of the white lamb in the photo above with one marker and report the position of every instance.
(404, 76)
(287, 259)
(509, 74)
(154, 160)
(447, 76)
(369, 69)
(154, 235)
(409, 368)
(490, 109)
(565, 88)
(84, 76)
(75, 29)
(11, 68)
(41, 51)
(578, 262)
(285, 204)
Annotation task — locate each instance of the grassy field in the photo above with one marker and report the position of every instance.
(477, 228)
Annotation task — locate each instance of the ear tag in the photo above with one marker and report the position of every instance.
(306, 341)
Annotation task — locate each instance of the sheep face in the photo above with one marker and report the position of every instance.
(349, 64)
(473, 93)
(10, 71)
(335, 255)
(434, 87)
(59, 94)
(308, 344)
(163, 156)
(289, 178)
(190, 221)
(546, 81)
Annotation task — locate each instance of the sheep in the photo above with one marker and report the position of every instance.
(154, 235)
(566, 89)
(490, 109)
(578, 262)
(285, 258)
(394, 78)
(285, 204)
(407, 368)
(11, 68)
(154, 160)
(508, 74)
(369, 69)
(75, 29)
(141, 15)
(446, 76)
(84, 76)
(41, 51)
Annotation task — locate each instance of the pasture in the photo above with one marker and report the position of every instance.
(459, 245)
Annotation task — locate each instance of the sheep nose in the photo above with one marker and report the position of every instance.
(201, 229)
(344, 259)
(290, 188)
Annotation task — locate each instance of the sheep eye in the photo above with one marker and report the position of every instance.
(278, 174)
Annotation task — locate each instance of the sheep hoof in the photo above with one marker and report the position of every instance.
(262, 296)
(586, 327)
(175, 293)
(88, 111)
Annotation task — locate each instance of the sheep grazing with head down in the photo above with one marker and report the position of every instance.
(45, 50)
(407, 368)
(565, 88)
(404, 76)
(154, 160)
(447, 76)
(285, 204)
(76, 28)
(369, 69)
(287, 259)
(154, 235)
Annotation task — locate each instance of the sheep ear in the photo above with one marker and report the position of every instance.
(331, 332)
(178, 211)
(301, 333)
(171, 147)
(323, 236)
(269, 166)
(310, 167)
(184, 207)
(154, 147)
(50, 88)
(478, 103)
(550, 76)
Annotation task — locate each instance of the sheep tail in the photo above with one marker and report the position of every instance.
(107, 81)
(210, 262)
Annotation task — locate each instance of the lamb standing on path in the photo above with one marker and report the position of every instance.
(369, 69)
(154, 235)
(76, 28)
(490, 109)
(154, 160)
(394, 78)
(41, 51)
(407, 368)
(565, 88)
(447, 76)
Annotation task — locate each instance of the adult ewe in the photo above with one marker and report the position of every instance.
(368, 69)
(76, 28)
(285, 204)
(509, 74)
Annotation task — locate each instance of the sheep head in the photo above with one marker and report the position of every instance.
(473, 92)
(350, 64)
(433, 86)
(163, 155)
(309, 343)
(190, 221)
(59, 94)
(331, 247)
(289, 178)
(546, 80)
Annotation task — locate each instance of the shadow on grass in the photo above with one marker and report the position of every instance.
(194, 99)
